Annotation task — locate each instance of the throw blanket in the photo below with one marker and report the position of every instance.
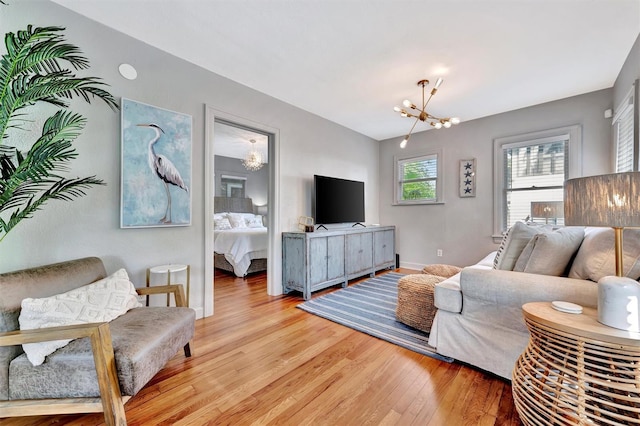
(237, 245)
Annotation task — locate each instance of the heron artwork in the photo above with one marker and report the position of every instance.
(164, 169)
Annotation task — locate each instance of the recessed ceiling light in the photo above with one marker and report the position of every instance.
(128, 71)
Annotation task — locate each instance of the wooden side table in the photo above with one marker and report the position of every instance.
(169, 269)
(576, 370)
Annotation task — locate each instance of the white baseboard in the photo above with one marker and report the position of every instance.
(199, 312)
(415, 266)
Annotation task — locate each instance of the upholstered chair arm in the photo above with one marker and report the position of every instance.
(102, 348)
(176, 289)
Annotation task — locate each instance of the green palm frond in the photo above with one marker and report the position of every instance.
(33, 70)
(36, 69)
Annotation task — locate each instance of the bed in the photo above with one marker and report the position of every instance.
(240, 238)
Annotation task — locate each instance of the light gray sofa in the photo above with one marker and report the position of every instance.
(84, 372)
(479, 319)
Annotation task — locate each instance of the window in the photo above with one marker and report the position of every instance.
(529, 174)
(418, 179)
(626, 137)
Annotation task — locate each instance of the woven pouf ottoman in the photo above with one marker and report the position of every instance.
(415, 306)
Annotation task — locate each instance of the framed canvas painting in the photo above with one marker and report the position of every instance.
(156, 166)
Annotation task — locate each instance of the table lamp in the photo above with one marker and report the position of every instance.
(611, 200)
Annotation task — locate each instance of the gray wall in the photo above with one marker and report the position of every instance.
(462, 227)
(257, 184)
(628, 74)
(90, 225)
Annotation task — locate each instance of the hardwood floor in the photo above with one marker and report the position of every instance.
(259, 360)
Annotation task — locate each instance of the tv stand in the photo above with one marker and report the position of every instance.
(358, 223)
(312, 261)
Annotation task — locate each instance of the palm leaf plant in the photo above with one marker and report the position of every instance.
(38, 67)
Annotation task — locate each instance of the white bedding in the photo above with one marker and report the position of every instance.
(240, 245)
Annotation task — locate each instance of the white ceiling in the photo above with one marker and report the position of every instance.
(351, 61)
(235, 142)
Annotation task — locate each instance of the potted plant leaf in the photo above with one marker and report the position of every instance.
(39, 67)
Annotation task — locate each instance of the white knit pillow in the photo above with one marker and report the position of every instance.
(101, 301)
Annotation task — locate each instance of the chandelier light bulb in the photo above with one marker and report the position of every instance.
(437, 125)
(407, 103)
(397, 109)
(403, 144)
(438, 83)
(446, 124)
(455, 120)
(404, 114)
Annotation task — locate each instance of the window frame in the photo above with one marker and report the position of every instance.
(628, 108)
(397, 180)
(574, 148)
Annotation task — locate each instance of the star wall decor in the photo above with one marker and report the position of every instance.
(467, 178)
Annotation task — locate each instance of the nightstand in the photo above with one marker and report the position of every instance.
(576, 370)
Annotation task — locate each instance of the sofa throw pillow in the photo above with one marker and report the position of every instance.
(596, 257)
(550, 253)
(514, 241)
(101, 301)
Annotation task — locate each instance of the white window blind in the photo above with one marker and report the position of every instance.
(624, 134)
(534, 171)
(529, 174)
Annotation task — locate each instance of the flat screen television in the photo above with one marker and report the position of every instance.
(337, 200)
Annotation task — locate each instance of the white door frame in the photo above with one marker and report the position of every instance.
(274, 248)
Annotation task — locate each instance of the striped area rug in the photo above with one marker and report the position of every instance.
(370, 307)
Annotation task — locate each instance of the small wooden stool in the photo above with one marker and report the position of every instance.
(415, 306)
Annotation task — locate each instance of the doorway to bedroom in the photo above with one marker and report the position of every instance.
(241, 202)
(241, 193)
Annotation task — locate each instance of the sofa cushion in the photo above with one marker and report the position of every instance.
(514, 241)
(144, 339)
(550, 253)
(596, 257)
(101, 301)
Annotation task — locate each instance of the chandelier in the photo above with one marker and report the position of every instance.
(421, 114)
(253, 160)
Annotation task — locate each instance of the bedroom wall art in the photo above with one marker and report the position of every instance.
(156, 166)
(467, 178)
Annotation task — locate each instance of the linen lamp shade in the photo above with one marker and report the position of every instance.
(611, 200)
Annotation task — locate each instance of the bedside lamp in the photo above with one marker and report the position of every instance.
(611, 200)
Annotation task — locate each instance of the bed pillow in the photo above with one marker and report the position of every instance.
(218, 216)
(101, 301)
(549, 253)
(221, 224)
(596, 257)
(514, 241)
(255, 222)
(237, 220)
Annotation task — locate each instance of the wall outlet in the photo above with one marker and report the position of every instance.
(439, 252)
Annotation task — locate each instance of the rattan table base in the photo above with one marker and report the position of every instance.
(576, 371)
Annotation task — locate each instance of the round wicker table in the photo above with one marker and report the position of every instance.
(576, 370)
